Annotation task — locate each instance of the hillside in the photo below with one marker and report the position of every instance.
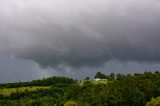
(8, 91)
(115, 90)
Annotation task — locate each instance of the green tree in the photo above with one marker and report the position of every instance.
(87, 78)
(100, 75)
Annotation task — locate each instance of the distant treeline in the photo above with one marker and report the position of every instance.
(41, 82)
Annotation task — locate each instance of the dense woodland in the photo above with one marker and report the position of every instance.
(120, 90)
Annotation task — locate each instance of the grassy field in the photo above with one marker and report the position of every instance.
(96, 82)
(8, 91)
(100, 81)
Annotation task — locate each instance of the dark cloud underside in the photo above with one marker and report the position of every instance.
(80, 33)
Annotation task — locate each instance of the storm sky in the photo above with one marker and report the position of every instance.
(77, 38)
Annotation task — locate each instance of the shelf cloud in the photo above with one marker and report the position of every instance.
(80, 33)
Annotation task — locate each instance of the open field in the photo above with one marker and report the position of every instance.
(100, 81)
(96, 82)
(8, 91)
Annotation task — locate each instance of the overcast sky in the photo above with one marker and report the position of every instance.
(77, 38)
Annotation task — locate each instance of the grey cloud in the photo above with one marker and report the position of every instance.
(12, 69)
(79, 33)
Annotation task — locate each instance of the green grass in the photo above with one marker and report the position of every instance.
(70, 103)
(8, 91)
(96, 82)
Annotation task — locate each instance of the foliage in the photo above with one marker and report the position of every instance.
(154, 102)
(100, 75)
(8, 91)
(70, 103)
(41, 82)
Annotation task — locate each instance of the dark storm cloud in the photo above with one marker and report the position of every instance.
(77, 33)
(12, 69)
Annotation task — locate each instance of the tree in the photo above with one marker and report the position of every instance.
(112, 76)
(87, 78)
(100, 75)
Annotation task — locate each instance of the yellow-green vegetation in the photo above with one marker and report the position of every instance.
(154, 102)
(103, 81)
(8, 91)
(71, 103)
